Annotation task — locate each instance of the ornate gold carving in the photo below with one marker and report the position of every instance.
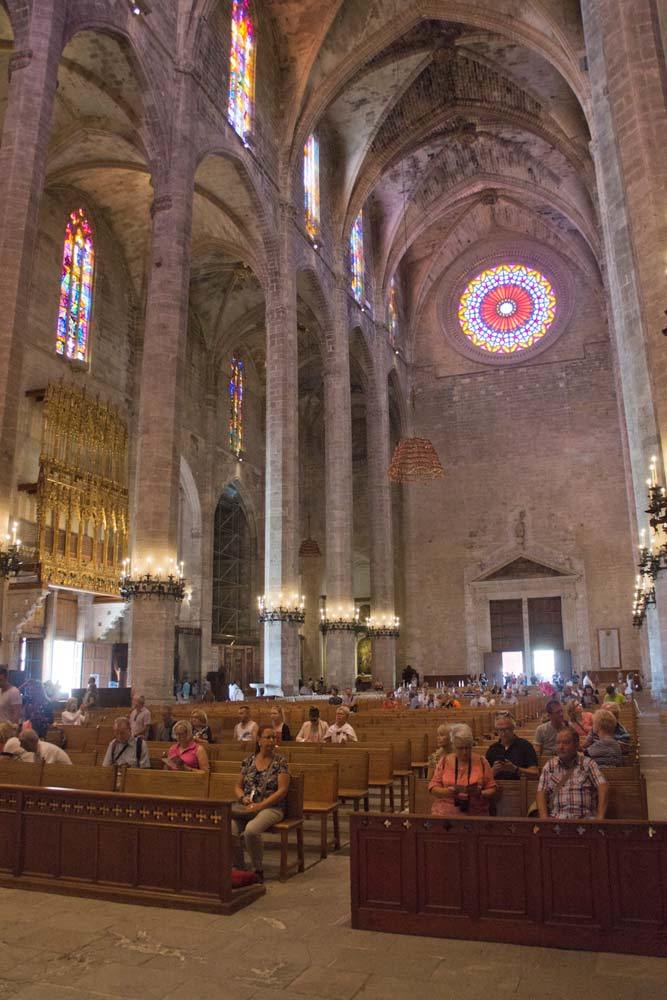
(82, 496)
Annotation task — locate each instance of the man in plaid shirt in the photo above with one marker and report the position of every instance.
(571, 786)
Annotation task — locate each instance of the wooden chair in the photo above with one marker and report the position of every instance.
(181, 784)
(511, 800)
(91, 778)
(353, 769)
(420, 800)
(292, 821)
(320, 798)
(77, 737)
(381, 774)
(15, 772)
(221, 786)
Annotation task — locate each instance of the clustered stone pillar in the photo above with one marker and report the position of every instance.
(381, 534)
(281, 639)
(340, 645)
(156, 497)
(629, 125)
(33, 72)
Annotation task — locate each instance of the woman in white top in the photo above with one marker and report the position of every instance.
(314, 729)
(341, 731)
(73, 715)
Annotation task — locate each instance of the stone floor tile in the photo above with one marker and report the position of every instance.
(632, 967)
(324, 982)
(118, 980)
(47, 991)
(378, 960)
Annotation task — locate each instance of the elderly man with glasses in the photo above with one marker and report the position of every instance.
(511, 756)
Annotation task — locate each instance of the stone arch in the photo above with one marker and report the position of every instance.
(493, 20)
(190, 539)
(309, 289)
(240, 562)
(154, 84)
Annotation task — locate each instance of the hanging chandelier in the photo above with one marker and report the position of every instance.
(309, 547)
(415, 460)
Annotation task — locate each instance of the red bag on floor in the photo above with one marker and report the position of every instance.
(239, 878)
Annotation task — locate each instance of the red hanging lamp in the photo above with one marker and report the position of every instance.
(415, 460)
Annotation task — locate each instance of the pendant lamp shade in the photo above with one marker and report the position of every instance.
(415, 460)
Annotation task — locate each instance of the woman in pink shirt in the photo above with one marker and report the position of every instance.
(463, 783)
(186, 754)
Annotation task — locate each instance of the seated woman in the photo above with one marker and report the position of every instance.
(280, 727)
(579, 720)
(589, 697)
(261, 791)
(72, 715)
(605, 750)
(201, 731)
(186, 754)
(463, 782)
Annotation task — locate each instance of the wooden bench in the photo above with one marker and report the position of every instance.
(15, 772)
(163, 851)
(98, 779)
(577, 884)
(178, 784)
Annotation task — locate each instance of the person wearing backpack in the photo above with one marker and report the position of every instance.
(125, 749)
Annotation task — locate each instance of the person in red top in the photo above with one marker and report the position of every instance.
(186, 754)
(463, 783)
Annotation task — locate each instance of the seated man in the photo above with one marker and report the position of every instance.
(350, 700)
(164, 730)
(547, 733)
(314, 730)
(571, 786)
(140, 717)
(613, 695)
(28, 747)
(605, 750)
(125, 749)
(245, 729)
(335, 698)
(341, 731)
(511, 756)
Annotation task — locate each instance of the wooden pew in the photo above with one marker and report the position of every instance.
(577, 885)
(97, 779)
(178, 784)
(15, 772)
(164, 851)
(86, 758)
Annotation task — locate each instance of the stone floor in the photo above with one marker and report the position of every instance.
(296, 942)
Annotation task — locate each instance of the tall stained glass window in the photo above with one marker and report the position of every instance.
(357, 258)
(76, 289)
(236, 406)
(241, 68)
(392, 313)
(507, 309)
(311, 185)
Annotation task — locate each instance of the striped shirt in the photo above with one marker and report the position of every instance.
(576, 799)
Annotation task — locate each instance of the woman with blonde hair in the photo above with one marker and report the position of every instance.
(463, 782)
(72, 715)
(280, 727)
(579, 720)
(201, 731)
(186, 754)
(7, 731)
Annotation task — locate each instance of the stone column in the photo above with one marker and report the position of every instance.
(33, 72)
(629, 125)
(157, 478)
(281, 540)
(381, 529)
(340, 651)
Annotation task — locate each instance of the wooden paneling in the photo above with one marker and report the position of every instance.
(165, 851)
(583, 885)
(506, 625)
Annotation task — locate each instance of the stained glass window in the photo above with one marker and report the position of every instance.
(507, 309)
(236, 406)
(311, 185)
(392, 312)
(241, 68)
(357, 258)
(76, 289)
